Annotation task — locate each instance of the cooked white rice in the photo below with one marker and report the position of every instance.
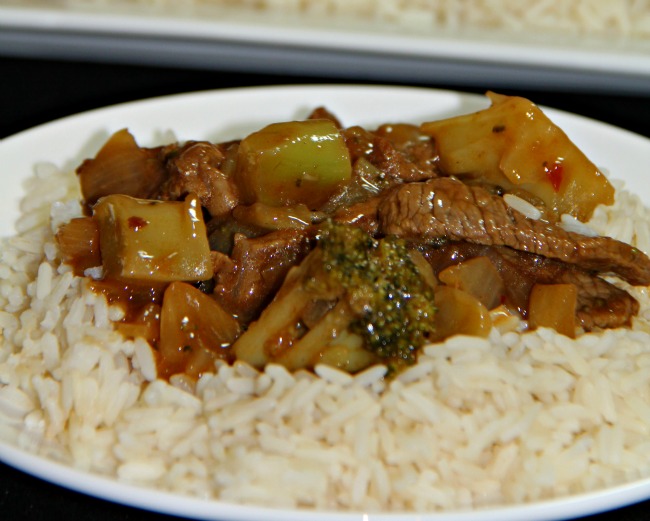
(515, 418)
(622, 17)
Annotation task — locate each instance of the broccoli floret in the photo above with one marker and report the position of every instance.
(393, 305)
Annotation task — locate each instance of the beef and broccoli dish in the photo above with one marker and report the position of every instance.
(311, 242)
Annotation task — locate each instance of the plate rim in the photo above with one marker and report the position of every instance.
(170, 503)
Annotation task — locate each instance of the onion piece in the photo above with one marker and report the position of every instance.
(195, 331)
(121, 167)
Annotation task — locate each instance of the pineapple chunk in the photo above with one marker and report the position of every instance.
(513, 144)
(554, 306)
(479, 278)
(153, 240)
(460, 313)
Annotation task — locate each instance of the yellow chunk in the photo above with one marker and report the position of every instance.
(554, 306)
(460, 313)
(153, 240)
(478, 277)
(513, 144)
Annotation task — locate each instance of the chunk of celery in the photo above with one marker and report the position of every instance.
(153, 240)
(297, 162)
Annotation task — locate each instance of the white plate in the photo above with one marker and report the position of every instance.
(245, 42)
(232, 113)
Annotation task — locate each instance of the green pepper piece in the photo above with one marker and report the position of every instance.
(297, 162)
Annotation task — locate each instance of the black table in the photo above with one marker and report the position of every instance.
(37, 91)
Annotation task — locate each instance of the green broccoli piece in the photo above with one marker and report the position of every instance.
(392, 304)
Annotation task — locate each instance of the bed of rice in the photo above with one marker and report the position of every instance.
(511, 419)
(622, 17)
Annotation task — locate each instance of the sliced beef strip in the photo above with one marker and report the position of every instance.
(257, 267)
(448, 208)
(222, 233)
(324, 113)
(362, 215)
(197, 167)
(415, 146)
(600, 304)
(397, 166)
(395, 162)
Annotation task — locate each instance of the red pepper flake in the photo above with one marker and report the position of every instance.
(135, 223)
(555, 174)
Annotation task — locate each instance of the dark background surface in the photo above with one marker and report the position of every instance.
(37, 91)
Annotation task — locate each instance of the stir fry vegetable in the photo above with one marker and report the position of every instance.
(553, 305)
(152, 240)
(307, 242)
(121, 167)
(351, 283)
(298, 162)
(194, 331)
(513, 144)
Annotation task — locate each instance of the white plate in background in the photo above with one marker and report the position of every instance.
(238, 41)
